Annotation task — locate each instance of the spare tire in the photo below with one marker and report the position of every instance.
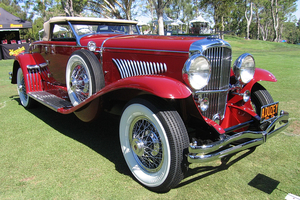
(84, 76)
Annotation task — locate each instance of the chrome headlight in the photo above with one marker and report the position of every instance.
(196, 72)
(92, 46)
(244, 68)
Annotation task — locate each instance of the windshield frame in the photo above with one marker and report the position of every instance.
(78, 36)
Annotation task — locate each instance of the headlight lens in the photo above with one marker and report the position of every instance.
(244, 68)
(196, 72)
(92, 46)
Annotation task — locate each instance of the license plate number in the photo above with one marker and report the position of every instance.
(269, 111)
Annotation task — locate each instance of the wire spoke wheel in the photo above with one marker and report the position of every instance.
(153, 142)
(146, 144)
(80, 82)
(25, 100)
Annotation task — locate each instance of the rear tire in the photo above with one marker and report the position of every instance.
(154, 141)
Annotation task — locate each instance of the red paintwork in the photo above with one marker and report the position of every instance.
(260, 75)
(237, 111)
(236, 114)
(151, 42)
(24, 60)
(172, 89)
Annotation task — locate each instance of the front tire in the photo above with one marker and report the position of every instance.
(153, 142)
(260, 97)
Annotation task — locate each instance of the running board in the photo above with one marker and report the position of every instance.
(50, 100)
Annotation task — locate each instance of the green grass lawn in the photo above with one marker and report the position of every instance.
(46, 155)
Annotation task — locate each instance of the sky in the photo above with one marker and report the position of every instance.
(297, 13)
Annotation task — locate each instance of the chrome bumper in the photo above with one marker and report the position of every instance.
(219, 149)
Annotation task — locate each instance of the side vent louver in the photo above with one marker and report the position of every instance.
(128, 68)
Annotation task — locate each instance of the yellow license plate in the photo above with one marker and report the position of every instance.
(269, 111)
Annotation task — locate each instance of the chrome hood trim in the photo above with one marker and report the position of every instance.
(201, 45)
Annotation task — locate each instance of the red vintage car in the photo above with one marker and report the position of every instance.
(179, 99)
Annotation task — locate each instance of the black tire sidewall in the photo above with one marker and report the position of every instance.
(260, 97)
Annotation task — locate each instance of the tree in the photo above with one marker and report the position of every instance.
(292, 33)
(68, 7)
(219, 9)
(13, 8)
(120, 9)
(275, 18)
(248, 18)
(160, 5)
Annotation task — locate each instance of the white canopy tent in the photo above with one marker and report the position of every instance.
(199, 26)
(199, 19)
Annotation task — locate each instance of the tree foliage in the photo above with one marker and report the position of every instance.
(270, 20)
(120, 9)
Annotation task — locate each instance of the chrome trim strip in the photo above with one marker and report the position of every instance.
(31, 67)
(206, 153)
(102, 45)
(43, 65)
(38, 66)
(212, 91)
(56, 45)
(128, 68)
(151, 50)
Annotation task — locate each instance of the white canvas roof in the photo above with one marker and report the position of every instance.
(199, 19)
(80, 19)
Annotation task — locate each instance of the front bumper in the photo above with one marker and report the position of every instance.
(224, 147)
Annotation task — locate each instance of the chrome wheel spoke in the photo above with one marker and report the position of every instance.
(150, 157)
(79, 82)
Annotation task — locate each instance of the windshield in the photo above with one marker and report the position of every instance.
(103, 28)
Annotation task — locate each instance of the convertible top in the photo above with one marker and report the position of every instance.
(80, 19)
(89, 19)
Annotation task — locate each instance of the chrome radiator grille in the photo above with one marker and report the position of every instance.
(217, 88)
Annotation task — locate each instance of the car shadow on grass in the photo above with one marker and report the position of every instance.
(206, 171)
(101, 135)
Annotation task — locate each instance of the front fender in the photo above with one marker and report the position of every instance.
(261, 75)
(29, 63)
(160, 86)
(24, 60)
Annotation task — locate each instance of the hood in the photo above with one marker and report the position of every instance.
(143, 42)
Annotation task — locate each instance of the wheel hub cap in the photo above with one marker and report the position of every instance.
(138, 147)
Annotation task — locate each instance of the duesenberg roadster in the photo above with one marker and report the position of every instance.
(178, 98)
